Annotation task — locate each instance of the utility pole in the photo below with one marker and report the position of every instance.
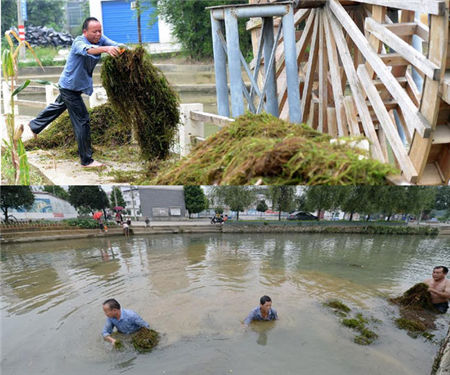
(138, 13)
(115, 196)
(132, 202)
(21, 26)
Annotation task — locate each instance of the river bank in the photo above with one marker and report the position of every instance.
(23, 234)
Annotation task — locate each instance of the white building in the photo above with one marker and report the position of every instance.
(119, 21)
(132, 200)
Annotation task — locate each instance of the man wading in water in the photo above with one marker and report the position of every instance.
(439, 288)
(126, 321)
(75, 80)
(262, 312)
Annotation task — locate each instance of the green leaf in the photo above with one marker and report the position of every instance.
(7, 64)
(42, 82)
(21, 87)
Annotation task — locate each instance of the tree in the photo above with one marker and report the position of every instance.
(442, 198)
(390, 200)
(322, 198)
(419, 199)
(117, 198)
(192, 25)
(238, 198)
(355, 199)
(194, 199)
(262, 206)
(57, 191)
(9, 15)
(88, 197)
(283, 198)
(15, 197)
(48, 13)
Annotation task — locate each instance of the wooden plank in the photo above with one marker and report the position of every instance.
(436, 7)
(408, 52)
(441, 135)
(431, 101)
(350, 112)
(217, 120)
(414, 119)
(357, 91)
(388, 125)
(332, 122)
(336, 82)
(323, 77)
(393, 59)
(445, 88)
(402, 29)
(311, 68)
(412, 89)
(378, 13)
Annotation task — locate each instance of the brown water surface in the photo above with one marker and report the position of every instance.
(196, 289)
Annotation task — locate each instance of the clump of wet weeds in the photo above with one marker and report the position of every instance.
(118, 345)
(358, 322)
(264, 149)
(144, 100)
(145, 339)
(417, 313)
(338, 306)
(106, 129)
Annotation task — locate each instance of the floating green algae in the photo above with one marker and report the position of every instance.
(338, 305)
(143, 98)
(416, 297)
(410, 325)
(264, 149)
(106, 129)
(145, 339)
(118, 345)
(358, 322)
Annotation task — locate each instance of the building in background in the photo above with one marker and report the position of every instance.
(163, 203)
(45, 207)
(76, 12)
(132, 201)
(120, 24)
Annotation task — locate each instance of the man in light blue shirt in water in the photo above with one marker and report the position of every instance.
(75, 80)
(263, 312)
(126, 321)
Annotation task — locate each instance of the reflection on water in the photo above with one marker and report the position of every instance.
(197, 289)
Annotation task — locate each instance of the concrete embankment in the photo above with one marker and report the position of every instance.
(441, 364)
(12, 235)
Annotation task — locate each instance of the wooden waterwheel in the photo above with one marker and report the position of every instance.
(367, 68)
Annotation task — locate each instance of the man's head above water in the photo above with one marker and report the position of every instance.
(266, 303)
(439, 272)
(111, 308)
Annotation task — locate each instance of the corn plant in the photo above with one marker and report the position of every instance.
(14, 147)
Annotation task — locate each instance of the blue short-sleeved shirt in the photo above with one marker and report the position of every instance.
(255, 314)
(77, 73)
(129, 322)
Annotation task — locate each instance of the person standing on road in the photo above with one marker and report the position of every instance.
(76, 79)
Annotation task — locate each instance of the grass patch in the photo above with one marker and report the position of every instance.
(107, 129)
(338, 305)
(145, 340)
(262, 148)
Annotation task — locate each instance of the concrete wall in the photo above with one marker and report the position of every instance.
(167, 42)
(163, 202)
(46, 207)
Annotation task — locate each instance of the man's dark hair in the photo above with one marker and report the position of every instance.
(264, 299)
(86, 22)
(112, 304)
(445, 269)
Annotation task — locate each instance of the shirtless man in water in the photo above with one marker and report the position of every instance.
(439, 288)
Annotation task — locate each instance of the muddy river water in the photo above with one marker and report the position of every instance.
(196, 289)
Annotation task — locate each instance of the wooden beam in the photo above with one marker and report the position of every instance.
(408, 52)
(357, 91)
(388, 125)
(436, 7)
(350, 112)
(415, 120)
(323, 77)
(336, 82)
(220, 121)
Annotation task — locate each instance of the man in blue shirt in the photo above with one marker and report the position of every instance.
(126, 321)
(263, 312)
(75, 80)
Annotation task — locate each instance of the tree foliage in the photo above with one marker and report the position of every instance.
(192, 25)
(15, 197)
(195, 199)
(283, 198)
(48, 13)
(88, 197)
(443, 198)
(262, 206)
(238, 198)
(117, 197)
(57, 191)
(322, 198)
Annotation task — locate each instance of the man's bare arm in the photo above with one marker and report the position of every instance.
(110, 339)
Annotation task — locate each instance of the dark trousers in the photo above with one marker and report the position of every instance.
(79, 116)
